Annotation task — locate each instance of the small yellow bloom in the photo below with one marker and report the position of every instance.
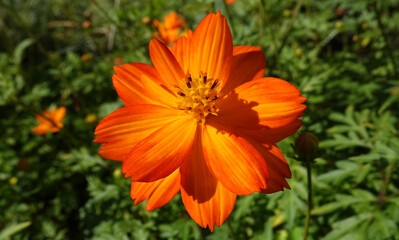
(91, 118)
(287, 13)
(338, 25)
(13, 180)
(365, 42)
(298, 52)
(365, 25)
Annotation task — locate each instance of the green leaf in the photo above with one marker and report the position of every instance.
(13, 228)
(349, 224)
(20, 49)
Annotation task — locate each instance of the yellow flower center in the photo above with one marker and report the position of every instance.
(197, 96)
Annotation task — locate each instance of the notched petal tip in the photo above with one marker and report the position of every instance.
(239, 166)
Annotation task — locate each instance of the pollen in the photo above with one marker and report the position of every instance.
(197, 96)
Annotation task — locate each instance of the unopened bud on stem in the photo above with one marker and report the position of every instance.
(307, 146)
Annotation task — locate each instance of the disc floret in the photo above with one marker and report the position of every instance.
(197, 96)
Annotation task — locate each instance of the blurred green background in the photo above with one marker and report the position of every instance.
(343, 55)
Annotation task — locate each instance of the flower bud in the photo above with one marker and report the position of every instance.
(355, 38)
(146, 20)
(307, 146)
(86, 24)
(86, 57)
(117, 173)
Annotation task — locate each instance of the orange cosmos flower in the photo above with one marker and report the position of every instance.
(169, 29)
(230, 1)
(203, 121)
(54, 125)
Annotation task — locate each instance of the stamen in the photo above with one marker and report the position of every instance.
(214, 84)
(196, 96)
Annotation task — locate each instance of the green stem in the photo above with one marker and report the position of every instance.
(308, 213)
(386, 181)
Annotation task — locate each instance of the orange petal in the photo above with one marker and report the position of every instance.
(211, 49)
(248, 64)
(181, 49)
(278, 167)
(139, 83)
(158, 192)
(207, 201)
(272, 135)
(41, 119)
(266, 102)
(41, 129)
(124, 128)
(59, 114)
(118, 150)
(233, 160)
(56, 129)
(162, 152)
(165, 63)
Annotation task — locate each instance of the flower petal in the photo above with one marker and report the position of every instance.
(211, 49)
(233, 160)
(158, 192)
(43, 120)
(41, 129)
(272, 135)
(207, 201)
(59, 114)
(165, 63)
(275, 102)
(248, 64)
(181, 50)
(124, 128)
(162, 152)
(139, 83)
(278, 167)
